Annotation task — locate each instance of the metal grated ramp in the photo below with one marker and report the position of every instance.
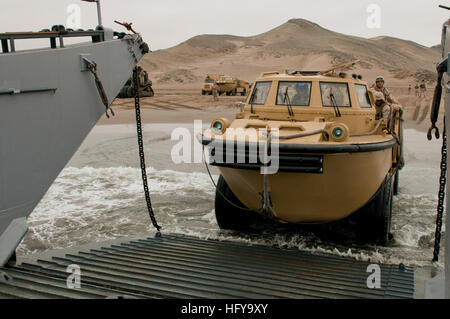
(176, 266)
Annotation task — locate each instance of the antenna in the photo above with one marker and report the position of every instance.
(99, 12)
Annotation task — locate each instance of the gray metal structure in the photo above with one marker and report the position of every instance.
(49, 102)
(176, 266)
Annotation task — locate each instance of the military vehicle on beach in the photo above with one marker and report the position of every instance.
(328, 154)
(209, 82)
(232, 86)
(145, 86)
(226, 85)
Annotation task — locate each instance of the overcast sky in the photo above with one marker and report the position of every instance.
(165, 23)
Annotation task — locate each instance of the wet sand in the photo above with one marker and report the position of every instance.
(173, 106)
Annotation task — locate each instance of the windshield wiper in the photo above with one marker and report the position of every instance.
(251, 100)
(287, 101)
(337, 112)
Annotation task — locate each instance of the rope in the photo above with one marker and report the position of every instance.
(370, 133)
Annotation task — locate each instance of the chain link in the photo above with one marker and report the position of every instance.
(441, 196)
(137, 107)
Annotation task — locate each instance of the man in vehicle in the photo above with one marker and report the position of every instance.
(384, 101)
(379, 87)
(302, 95)
(384, 109)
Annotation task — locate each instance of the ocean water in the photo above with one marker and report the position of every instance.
(99, 197)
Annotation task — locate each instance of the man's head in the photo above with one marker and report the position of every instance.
(379, 82)
(301, 87)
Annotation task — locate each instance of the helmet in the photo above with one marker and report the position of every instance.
(379, 78)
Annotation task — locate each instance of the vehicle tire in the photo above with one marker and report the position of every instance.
(396, 182)
(229, 216)
(373, 221)
(203, 92)
(244, 93)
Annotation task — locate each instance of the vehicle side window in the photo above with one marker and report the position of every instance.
(260, 92)
(294, 93)
(363, 95)
(335, 94)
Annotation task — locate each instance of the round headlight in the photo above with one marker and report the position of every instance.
(338, 132)
(219, 125)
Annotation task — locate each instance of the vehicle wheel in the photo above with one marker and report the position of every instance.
(229, 216)
(373, 221)
(203, 92)
(244, 93)
(396, 182)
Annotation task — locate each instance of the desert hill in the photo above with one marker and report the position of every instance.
(296, 44)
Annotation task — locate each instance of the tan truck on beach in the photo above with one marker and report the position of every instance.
(209, 82)
(227, 85)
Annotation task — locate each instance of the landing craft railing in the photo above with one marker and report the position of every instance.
(8, 39)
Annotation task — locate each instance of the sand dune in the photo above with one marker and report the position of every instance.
(296, 44)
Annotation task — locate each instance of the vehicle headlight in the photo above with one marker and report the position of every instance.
(338, 132)
(219, 126)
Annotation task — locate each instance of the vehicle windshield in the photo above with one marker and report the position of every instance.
(335, 94)
(209, 81)
(294, 93)
(260, 92)
(363, 96)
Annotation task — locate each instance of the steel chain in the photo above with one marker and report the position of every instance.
(137, 107)
(441, 196)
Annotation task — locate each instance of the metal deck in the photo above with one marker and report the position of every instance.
(176, 266)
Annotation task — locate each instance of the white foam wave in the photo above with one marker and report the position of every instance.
(87, 205)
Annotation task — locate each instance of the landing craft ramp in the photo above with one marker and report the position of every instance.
(177, 266)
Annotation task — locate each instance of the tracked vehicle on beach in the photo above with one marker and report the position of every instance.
(308, 148)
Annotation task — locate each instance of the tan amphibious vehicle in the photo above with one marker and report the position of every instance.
(308, 147)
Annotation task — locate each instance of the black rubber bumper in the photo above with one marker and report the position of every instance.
(301, 158)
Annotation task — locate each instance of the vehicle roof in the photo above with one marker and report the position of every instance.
(276, 76)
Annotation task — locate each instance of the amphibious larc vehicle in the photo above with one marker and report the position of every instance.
(308, 147)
